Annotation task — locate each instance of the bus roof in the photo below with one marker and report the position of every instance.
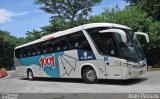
(72, 30)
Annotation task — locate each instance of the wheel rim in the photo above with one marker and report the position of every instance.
(30, 75)
(91, 75)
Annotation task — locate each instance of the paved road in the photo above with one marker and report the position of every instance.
(149, 82)
(76, 88)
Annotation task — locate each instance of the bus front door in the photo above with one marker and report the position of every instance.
(113, 69)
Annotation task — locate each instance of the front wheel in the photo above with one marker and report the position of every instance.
(30, 75)
(89, 76)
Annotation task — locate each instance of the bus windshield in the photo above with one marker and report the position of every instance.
(131, 49)
(111, 44)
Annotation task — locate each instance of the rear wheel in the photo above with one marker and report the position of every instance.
(89, 76)
(30, 75)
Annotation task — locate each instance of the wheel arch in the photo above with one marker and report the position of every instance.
(29, 68)
(86, 65)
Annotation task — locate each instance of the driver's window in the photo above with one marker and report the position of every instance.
(104, 42)
(109, 46)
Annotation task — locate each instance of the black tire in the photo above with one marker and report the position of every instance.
(30, 75)
(89, 76)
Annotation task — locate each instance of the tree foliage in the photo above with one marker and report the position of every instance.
(34, 34)
(68, 10)
(65, 14)
(154, 33)
(130, 16)
(152, 7)
(7, 44)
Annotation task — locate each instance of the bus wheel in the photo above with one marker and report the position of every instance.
(89, 76)
(30, 75)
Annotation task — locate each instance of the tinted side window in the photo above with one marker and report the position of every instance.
(61, 44)
(64, 43)
(78, 41)
(17, 53)
(104, 42)
(55, 45)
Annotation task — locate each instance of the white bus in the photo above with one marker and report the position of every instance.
(91, 51)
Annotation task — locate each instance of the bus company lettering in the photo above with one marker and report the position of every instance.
(85, 56)
(47, 61)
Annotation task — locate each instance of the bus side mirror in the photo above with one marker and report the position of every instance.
(143, 34)
(121, 32)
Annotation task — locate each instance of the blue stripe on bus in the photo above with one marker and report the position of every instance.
(49, 70)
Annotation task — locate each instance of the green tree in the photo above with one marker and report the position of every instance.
(67, 10)
(154, 33)
(20, 41)
(65, 14)
(152, 7)
(34, 34)
(130, 16)
(7, 44)
(96, 18)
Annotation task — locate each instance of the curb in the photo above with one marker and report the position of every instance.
(153, 69)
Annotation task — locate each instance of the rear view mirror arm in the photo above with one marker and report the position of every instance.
(143, 34)
(121, 32)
